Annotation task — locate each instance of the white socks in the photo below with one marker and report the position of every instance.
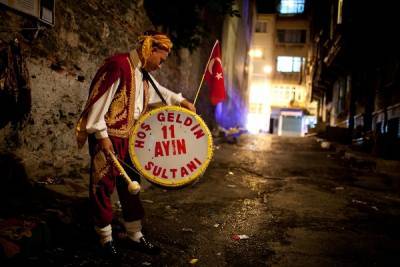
(136, 236)
(134, 230)
(105, 234)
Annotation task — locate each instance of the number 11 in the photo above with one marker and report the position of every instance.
(171, 130)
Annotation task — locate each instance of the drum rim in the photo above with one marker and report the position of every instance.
(153, 179)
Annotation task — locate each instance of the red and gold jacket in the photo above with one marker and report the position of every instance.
(119, 117)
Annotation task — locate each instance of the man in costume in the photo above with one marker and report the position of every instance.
(119, 93)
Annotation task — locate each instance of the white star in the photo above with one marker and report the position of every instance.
(218, 75)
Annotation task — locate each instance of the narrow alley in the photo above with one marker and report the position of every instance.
(265, 201)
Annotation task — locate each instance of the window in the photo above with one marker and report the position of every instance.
(47, 11)
(341, 87)
(43, 10)
(256, 53)
(292, 6)
(289, 64)
(292, 36)
(261, 26)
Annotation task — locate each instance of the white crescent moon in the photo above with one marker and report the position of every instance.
(210, 66)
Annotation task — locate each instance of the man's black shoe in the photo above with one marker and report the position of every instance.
(110, 251)
(144, 246)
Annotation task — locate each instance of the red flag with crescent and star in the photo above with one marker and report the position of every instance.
(215, 76)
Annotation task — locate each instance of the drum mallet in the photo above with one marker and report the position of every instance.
(133, 188)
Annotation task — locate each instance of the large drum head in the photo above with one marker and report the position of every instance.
(171, 146)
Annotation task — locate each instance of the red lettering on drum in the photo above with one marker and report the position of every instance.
(173, 171)
(181, 145)
(163, 175)
(199, 133)
(194, 127)
(198, 161)
(158, 150)
(139, 143)
(157, 170)
(145, 127)
(171, 129)
(173, 147)
(170, 117)
(184, 172)
(188, 121)
(161, 117)
(149, 165)
(166, 147)
(141, 135)
(178, 118)
(163, 148)
(191, 166)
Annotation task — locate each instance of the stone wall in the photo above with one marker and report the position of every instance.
(62, 61)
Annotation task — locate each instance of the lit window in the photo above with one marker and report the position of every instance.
(261, 27)
(292, 6)
(289, 64)
(256, 53)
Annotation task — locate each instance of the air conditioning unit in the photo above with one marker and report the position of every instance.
(44, 10)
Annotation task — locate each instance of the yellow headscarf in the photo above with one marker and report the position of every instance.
(148, 41)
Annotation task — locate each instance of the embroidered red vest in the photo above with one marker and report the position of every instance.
(119, 117)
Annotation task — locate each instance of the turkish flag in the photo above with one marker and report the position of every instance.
(214, 76)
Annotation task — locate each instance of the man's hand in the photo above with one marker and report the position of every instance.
(106, 145)
(188, 105)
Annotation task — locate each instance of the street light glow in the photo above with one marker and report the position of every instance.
(257, 117)
(267, 69)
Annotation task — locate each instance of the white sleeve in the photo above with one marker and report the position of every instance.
(170, 97)
(95, 121)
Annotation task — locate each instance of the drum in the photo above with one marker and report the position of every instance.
(171, 146)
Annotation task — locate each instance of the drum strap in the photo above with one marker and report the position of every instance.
(146, 76)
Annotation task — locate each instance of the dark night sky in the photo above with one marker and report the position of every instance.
(266, 6)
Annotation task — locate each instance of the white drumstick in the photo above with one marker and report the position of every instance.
(133, 188)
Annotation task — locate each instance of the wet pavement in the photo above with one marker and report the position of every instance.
(264, 201)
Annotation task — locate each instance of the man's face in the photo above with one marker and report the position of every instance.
(156, 58)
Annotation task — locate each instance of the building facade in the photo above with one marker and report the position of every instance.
(235, 43)
(279, 84)
(356, 75)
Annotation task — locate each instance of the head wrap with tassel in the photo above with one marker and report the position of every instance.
(151, 39)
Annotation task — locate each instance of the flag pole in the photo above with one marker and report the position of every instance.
(204, 73)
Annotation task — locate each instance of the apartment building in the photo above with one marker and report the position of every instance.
(279, 97)
(355, 73)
